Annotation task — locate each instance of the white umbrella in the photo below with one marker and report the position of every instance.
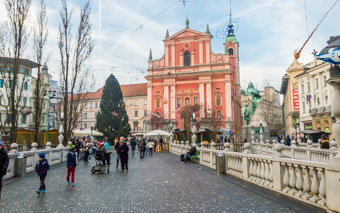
(86, 132)
(157, 132)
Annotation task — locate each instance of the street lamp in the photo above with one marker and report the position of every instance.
(50, 96)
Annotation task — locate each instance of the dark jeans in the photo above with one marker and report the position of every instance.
(117, 160)
(1, 176)
(86, 157)
(133, 151)
(150, 151)
(42, 182)
(124, 158)
(142, 153)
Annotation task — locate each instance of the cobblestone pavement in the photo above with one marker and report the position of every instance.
(154, 184)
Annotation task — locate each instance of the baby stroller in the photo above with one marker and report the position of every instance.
(100, 167)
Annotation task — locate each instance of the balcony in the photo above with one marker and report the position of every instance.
(25, 110)
(320, 111)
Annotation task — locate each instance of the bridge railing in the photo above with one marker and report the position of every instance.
(278, 169)
(53, 155)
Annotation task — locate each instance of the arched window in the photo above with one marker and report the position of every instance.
(231, 51)
(187, 101)
(186, 58)
(218, 100)
(219, 115)
(26, 85)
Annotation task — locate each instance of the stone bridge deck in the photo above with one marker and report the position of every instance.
(158, 184)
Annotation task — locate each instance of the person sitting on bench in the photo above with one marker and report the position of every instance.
(191, 152)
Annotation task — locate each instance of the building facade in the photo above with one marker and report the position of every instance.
(190, 73)
(134, 97)
(267, 113)
(291, 104)
(315, 97)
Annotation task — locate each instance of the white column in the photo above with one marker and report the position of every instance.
(166, 104)
(149, 99)
(173, 55)
(201, 93)
(228, 99)
(173, 101)
(192, 61)
(207, 48)
(201, 52)
(181, 58)
(209, 98)
(166, 57)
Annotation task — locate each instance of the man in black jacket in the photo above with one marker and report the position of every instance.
(3, 163)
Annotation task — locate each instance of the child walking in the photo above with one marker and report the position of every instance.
(41, 169)
(71, 165)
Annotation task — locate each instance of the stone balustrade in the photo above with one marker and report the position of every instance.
(53, 155)
(298, 172)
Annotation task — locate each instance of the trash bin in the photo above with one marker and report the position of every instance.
(21, 165)
(220, 163)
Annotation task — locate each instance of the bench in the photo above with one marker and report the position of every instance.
(195, 158)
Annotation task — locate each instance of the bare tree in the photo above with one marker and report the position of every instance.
(14, 81)
(39, 41)
(74, 75)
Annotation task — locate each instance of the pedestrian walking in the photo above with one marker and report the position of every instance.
(71, 164)
(142, 149)
(124, 155)
(133, 144)
(288, 140)
(151, 145)
(121, 139)
(87, 152)
(106, 144)
(41, 169)
(3, 163)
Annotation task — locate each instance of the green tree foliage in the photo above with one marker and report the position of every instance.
(112, 120)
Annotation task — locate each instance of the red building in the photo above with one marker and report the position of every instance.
(190, 73)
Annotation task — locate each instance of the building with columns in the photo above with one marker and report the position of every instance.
(190, 73)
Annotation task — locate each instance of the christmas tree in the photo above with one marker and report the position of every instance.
(112, 119)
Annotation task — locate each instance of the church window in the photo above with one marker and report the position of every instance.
(195, 100)
(158, 103)
(186, 58)
(218, 100)
(231, 51)
(187, 101)
(179, 102)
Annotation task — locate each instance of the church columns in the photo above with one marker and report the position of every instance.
(201, 52)
(192, 61)
(166, 55)
(201, 93)
(181, 58)
(173, 101)
(207, 48)
(166, 102)
(209, 99)
(228, 100)
(149, 99)
(173, 55)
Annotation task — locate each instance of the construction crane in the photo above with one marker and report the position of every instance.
(297, 53)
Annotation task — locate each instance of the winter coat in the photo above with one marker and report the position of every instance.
(106, 144)
(151, 144)
(143, 146)
(3, 161)
(41, 168)
(123, 150)
(192, 151)
(133, 144)
(117, 146)
(71, 159)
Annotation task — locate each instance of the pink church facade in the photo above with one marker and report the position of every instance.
(190, 73)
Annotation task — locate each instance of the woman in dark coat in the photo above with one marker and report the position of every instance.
(3, 163)
(124, 155)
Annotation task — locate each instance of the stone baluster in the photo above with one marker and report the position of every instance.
(48, 145)
(49, 152)
(306, 183)
(299, 181)
(14, 148)
(213, 145)
(286, 178)
(309, 143)
(263, 172)
(271, 173)
(298, 139)
(309, 146)
(261, 136)
(202, 144)
(266, 172)
(250, 160)
(322, 187)
(61, 136)
(292, 179)
(226, 146)
(267, 145)
(315, 185)
(293, 143)
(333, 149)
(247, 149)
(278, 150)
(252, 136)
(258, 171)
(254, 169)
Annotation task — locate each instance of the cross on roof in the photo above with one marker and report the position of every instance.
(184, 1)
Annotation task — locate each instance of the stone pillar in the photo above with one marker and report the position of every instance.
(207, 54)
(333, 165)
(209, 108)
(201, 93)
(201, 52)
(277, 169)
(166, 55)
(61, 136)
(173, 55)
(166, 102)
(173, 101)
(149, 98)
(228, 100)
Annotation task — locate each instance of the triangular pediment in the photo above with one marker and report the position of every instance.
(187, 33)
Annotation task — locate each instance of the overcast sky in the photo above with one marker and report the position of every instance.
(124, 30)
